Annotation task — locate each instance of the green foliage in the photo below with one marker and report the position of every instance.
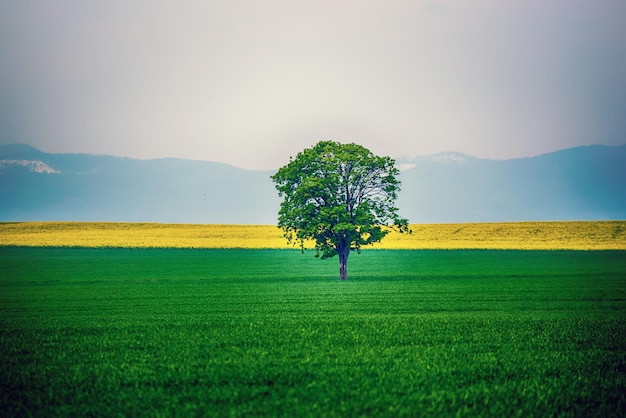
(123, 332)
(340, 196)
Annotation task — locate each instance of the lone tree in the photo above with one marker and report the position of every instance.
(339, 195)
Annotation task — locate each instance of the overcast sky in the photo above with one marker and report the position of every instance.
(253, 82)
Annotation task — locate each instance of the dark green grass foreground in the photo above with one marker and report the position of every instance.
(113, 332)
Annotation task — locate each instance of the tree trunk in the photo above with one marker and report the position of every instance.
(343, 262)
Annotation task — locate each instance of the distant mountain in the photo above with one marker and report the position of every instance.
(40, 186)
(585, 183)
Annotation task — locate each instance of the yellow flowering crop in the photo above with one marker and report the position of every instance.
(140, 235)
(601, 235)
(576, 235)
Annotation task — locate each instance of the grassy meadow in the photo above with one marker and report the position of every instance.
(101, 330)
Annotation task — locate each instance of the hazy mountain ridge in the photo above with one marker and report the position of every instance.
(106, 188)
(584, 183)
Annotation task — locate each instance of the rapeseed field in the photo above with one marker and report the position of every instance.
(574, 235)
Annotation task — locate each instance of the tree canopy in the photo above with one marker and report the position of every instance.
(341, 196)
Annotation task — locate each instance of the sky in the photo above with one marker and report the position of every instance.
(252, 83)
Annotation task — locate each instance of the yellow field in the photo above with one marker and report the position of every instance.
(516, 235)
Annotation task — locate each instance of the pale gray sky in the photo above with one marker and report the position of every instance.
(253, 82)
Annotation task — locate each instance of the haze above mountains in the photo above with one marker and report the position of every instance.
(583, 183)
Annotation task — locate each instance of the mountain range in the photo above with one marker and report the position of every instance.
(583, 183)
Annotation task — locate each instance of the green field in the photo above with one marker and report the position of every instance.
(162, 332)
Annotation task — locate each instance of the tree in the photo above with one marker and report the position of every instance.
(339, 195)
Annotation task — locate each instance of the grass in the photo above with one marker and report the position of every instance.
(596, 235)
(172, 332)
